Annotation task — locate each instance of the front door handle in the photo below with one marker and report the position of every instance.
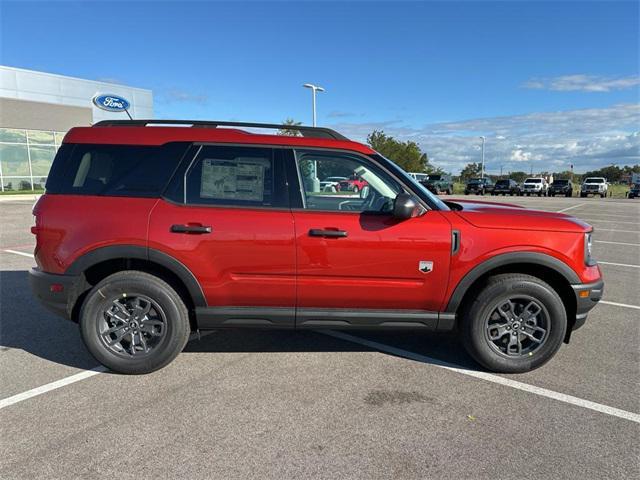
(320, 232)
(197, 229)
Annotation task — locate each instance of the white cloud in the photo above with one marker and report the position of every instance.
(588, 139)
(583, 83)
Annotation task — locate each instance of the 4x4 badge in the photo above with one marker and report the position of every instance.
(425, 266)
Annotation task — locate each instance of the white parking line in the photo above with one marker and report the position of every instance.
(24, 254)
(571, 208)
(593, 214)
(619, 264)
(618, 231)
(617, 243)
(489, 377)
(34, 392)
(615, 304)
(605, 221)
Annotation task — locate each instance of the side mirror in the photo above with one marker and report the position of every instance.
(404, 206)
(364, 191)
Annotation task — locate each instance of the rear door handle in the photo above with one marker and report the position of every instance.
(320, 232)
(197, 229)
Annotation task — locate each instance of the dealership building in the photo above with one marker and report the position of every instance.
(37, 109)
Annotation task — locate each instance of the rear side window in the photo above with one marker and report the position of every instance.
(236, 176)
(114, 170)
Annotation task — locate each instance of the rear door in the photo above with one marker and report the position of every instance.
(226, 217)
(356, 263)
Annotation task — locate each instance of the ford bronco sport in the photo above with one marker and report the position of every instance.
(149, 231)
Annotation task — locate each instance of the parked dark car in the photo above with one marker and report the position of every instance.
(561, 187)
(479, 186)
(438, 184)
(634, 192)
(507, 187)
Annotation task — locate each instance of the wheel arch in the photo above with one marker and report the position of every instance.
(101, 262)
(545, 267)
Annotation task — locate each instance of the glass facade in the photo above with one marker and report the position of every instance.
(26, 157)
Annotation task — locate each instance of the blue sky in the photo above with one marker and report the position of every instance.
(548, 83)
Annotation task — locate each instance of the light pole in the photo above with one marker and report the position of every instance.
(482, 170)
(314, 89)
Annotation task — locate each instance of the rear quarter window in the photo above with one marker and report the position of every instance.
(114, 170)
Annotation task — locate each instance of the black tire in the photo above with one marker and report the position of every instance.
(449, 191)
(129, 286)
(498, 289)
(568, 195)
(583, 195)
(602, 195)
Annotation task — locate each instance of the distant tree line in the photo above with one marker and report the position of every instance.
(411, 158)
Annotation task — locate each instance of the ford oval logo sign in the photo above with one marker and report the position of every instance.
(111, 103)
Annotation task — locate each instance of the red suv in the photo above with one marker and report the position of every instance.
(149, 230)
(354, 183)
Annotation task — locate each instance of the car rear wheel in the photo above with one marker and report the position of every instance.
(516, 324)
(133, 322)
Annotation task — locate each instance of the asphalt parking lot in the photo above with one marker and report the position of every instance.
(254, 404)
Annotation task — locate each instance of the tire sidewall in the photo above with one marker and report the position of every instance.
(175, 313)
(474, 325)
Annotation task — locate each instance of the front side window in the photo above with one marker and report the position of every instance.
(234, 176)
(363, 186)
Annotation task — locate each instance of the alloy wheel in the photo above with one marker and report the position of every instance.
(132, 326)
(517, 327)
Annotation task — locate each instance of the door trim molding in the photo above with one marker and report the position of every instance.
(322, 318)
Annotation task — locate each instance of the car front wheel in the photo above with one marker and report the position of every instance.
(516, 324)
(133, 322)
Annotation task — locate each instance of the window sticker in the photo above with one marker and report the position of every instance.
(233, 179)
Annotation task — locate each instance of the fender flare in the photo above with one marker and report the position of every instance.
(503, 259)
(114, 252)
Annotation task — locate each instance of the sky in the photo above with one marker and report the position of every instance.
(549, 84)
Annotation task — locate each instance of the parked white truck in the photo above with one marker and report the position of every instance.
(594, 186)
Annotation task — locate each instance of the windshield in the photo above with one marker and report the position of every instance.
(475, 180)
(533, 180)
(502, 182)
(435, 177)
(422, 191)
(594, 180)
(561, 182)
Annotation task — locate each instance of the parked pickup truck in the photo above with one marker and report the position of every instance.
(479, 186)
(594, 186)
(561, 187)
(535, 186)
(439, 184)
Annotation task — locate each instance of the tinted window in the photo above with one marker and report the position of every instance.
(502, 183)
(236, 176)
(114, 170)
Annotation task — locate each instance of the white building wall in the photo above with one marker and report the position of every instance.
(20, 84)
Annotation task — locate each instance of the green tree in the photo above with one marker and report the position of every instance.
(470, 170)
(406, 154)
(289, 132)
(519, 176)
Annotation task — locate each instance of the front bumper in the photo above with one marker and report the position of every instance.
(587, 296)
(57, 293)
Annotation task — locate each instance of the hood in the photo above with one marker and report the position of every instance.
(513, 217)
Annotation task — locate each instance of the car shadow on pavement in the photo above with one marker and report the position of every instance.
(27, 326)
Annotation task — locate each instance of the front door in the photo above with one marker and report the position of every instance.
(353, 257)
(229, 223)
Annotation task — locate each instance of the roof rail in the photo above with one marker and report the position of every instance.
(313, 132)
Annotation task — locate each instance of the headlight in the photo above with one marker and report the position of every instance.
(588, 260)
